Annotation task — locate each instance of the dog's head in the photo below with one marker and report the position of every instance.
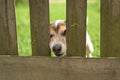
(58, 38)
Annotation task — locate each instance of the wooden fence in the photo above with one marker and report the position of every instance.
(39, 67)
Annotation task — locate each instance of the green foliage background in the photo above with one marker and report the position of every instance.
(57, 11)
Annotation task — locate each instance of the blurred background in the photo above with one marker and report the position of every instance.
(57, 11)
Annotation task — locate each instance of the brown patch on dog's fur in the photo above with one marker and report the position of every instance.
(52, 30)
(59, 28)
(62, 28)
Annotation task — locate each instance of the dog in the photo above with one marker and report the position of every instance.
(58, 39)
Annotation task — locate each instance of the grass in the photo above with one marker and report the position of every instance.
(94, 25)
(23, 30)
(57, 11)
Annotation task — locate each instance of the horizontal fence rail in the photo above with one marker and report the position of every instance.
(36, 68)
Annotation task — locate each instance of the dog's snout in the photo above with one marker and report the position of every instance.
(57, 48)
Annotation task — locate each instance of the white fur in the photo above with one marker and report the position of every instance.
(57, 41)
(89, 46)
(57, 22)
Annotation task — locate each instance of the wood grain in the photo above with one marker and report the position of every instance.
(46, 68)
(8, 35)
(76, 27)
(110, 28)
(39, 13)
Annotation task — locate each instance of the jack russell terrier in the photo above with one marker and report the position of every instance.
(58, 39)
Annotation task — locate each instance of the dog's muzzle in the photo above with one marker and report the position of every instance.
(57, 49)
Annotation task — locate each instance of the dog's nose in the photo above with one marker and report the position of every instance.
(57, 48)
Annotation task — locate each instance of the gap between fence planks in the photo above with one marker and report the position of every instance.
(46, 68)
(8, 35)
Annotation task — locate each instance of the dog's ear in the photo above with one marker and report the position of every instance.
(64, 33)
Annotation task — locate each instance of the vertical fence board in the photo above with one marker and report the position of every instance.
(76, 27)
(110, 28)
(39, 13)
(8, 36)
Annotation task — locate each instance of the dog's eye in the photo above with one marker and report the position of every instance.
(51, 35)
(64, 33)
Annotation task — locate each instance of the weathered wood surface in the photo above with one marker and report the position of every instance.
(39, 13)
(110, 28)
(46, 68)
(76, 27)
(8, 35)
